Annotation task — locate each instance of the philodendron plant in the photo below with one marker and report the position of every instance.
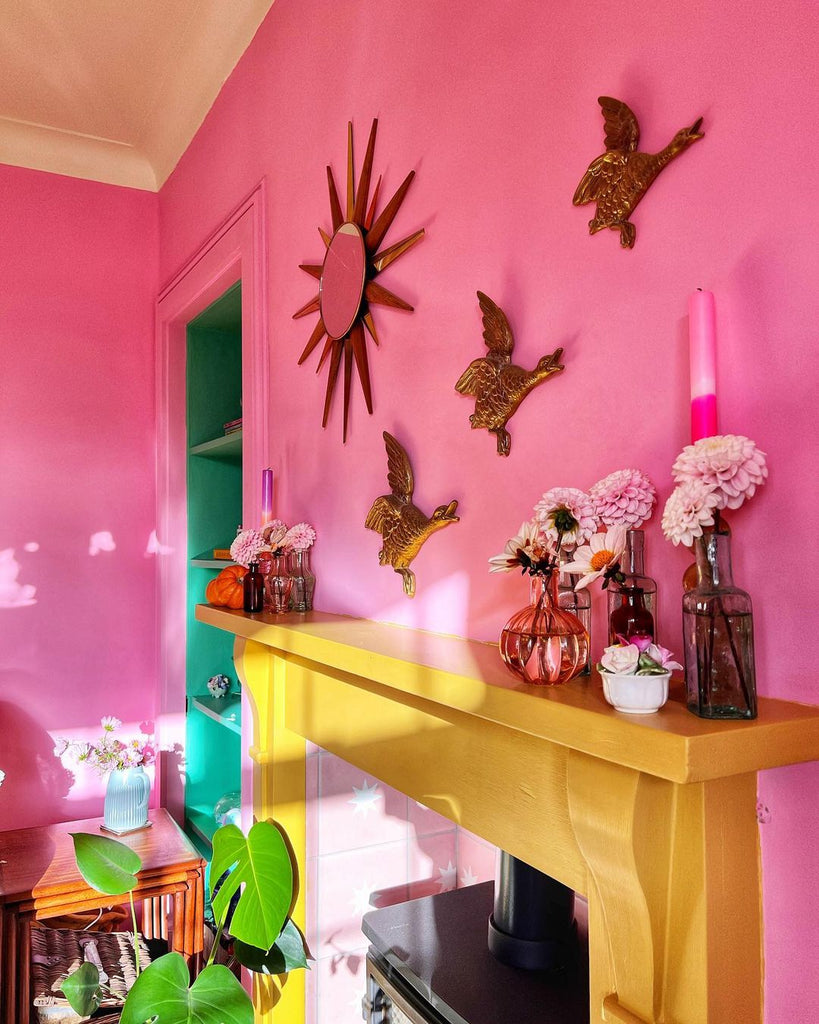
(265, 939)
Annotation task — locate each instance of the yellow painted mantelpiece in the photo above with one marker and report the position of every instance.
(653, 819)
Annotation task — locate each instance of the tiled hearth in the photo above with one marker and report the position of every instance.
(369, 846)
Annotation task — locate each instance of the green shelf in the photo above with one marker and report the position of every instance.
(201, 821)
(227, 448)
(227, 710)
(205, 560)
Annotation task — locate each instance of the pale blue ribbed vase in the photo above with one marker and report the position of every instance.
(126, 799)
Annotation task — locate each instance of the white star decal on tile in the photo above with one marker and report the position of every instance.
(467, 878)
(449, 876)
(365, 798)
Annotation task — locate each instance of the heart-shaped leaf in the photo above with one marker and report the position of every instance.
(161, 994)
(82, 989)
(107, 865)
(262, 863)
(286, 954)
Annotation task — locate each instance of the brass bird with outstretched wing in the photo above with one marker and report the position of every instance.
(619, 178)
(403, 526)
(496, 383)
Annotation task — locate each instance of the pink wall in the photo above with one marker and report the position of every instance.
(76, 459)
(495, 107)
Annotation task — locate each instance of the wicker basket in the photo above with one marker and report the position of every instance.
(57, 952)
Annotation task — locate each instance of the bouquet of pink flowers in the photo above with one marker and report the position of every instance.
(276, 538)
(109, 753)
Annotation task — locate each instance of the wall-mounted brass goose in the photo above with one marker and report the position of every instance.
(619, 179)
(402, 525)
(497, 385)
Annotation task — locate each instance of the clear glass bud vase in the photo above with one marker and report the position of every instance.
(304, 582)
(578, 602)
(278, 585)
(718, 635)
(632, 604)
(543, 643)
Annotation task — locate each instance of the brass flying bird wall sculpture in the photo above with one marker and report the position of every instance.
(619, 178)
(347, 285)
(497, 385)
(403, 526)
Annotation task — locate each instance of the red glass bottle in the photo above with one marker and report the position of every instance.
(633, 603)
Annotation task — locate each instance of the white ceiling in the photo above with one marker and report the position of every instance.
(114, 90)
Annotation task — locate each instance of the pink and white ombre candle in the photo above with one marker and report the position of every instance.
(267, 496)
(702, 341)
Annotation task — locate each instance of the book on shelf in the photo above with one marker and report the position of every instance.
(233, 425)
(221, 553)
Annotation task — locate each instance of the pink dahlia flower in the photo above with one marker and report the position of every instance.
(300, 537)
(689, 508)
(246, 547)
(567, 514)
(624, 498)
(731, 464)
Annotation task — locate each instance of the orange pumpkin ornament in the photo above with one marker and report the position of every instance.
(226, 589)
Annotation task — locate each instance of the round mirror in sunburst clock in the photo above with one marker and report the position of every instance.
(347, 286)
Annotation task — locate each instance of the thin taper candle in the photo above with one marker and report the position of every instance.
(267, 496)
(702, 342)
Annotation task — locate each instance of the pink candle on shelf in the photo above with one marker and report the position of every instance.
(267, 496)
(702, 341)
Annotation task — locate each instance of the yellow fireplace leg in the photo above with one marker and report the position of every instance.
(278, 793)
(674, 908)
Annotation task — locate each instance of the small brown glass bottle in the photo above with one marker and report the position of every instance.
(253, 584)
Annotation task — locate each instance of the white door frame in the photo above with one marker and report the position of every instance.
(237, 249)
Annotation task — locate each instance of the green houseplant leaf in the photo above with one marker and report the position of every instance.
(262, 863)
(82, 989)
(286, 954)
(106, 864)
(161, 994)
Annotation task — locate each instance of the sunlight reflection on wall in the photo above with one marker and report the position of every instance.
(441, 599)
(14, 594)
(102, 541)
(156, 547)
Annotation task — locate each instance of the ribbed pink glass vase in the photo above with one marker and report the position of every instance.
(543, 643)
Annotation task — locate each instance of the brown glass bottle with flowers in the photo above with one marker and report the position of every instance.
(543, 643)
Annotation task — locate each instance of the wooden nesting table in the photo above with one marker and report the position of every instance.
(39, 880)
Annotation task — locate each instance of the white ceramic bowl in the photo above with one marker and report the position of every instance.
(635, 695)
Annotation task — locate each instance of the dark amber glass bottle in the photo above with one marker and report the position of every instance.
(253, 584)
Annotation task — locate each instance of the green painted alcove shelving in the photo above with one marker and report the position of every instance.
(214, 487)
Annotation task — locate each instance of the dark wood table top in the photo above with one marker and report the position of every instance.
(36, 862)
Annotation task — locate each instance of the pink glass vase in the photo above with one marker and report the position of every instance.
(543, 643)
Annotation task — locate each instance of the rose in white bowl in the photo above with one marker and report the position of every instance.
(638, 658)
(635, 676)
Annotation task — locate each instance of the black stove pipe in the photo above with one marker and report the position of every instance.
(532, 925)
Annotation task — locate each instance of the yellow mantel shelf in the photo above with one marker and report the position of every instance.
(468, 676)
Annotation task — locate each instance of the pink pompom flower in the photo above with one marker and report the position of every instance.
(300, 537)
(624, 498)
(246, 547)
(730, 464)
(689, 509)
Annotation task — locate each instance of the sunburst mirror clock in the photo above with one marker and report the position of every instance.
(347, 285)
